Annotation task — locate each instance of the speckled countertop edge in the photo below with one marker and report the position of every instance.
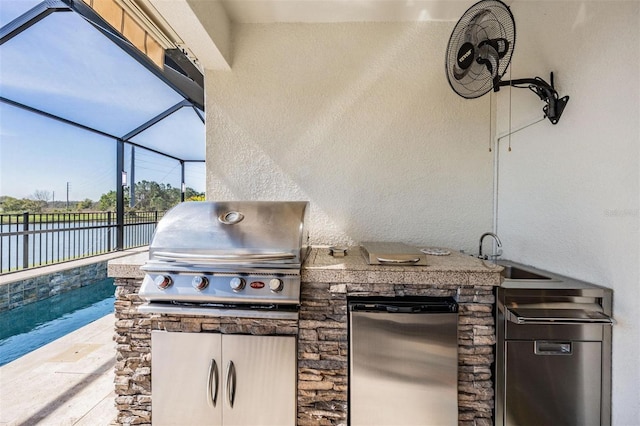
(320, 266)
(128, 267)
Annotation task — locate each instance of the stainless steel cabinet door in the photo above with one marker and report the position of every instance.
(183, 378)
(214, 379)
(263, 390)
(553, 383)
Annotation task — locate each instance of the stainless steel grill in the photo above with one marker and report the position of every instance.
(239, 258)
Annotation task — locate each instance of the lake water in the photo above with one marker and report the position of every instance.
(31, 326)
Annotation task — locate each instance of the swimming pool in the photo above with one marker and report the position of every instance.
(34, 325)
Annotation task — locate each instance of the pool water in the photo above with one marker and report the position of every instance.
(31, 326)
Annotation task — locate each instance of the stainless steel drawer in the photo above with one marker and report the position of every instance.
(553, 383)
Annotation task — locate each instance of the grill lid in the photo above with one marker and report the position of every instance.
(255, 233)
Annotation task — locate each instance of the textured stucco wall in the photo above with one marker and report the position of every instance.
(358, 119)
(569, 194)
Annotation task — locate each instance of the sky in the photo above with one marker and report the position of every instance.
(63, 66)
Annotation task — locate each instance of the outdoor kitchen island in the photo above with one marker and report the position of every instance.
(327, 281)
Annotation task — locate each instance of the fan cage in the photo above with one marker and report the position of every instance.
(485, 20)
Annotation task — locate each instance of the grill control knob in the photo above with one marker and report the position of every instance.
(199, 283)
(163, 281)
(276, 285)
(236, 284)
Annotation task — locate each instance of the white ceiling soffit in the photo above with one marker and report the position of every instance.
(204, 29)
(204, 26)
(329, 11)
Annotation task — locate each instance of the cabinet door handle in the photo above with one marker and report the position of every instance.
(231, 383)
(212, 383)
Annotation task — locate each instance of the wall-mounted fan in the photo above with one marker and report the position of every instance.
(479, 52)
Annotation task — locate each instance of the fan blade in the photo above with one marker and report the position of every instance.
(477, 19)
(489, 57)
(500, 45)
(470, 73)
(461, 67)
(460, 74)
(471, 34)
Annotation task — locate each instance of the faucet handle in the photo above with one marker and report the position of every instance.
(493, 257)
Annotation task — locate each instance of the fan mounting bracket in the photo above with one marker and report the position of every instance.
(545, 91)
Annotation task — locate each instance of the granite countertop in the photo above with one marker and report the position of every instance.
(128, 267)
(454, 269)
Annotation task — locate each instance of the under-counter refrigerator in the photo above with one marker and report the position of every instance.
(403, 361)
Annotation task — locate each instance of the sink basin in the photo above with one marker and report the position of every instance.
(511, 272)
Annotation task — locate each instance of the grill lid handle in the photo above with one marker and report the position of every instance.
(231, 218)
(165, 255)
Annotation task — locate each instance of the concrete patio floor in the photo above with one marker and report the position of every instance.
(67, 382)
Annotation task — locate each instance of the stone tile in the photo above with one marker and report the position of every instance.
(74, 352)
(30, 295)
(30, 284)
(16, 300)
(45, 387)
(16, 287)
(104, 413)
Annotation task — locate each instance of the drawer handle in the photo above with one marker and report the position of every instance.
(598, 318)
(553, 348)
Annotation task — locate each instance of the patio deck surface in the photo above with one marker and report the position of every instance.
(67, 382)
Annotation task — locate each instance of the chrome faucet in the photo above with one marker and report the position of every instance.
(488, 234)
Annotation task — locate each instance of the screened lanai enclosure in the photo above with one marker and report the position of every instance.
(102, 128)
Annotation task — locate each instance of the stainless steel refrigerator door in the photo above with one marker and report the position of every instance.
(553, 383)
(403, 369)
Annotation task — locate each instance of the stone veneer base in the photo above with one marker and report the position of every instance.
(322, 348)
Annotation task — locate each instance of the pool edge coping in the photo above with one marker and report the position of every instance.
(12, 277)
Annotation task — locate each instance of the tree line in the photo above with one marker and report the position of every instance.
(148, 196)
